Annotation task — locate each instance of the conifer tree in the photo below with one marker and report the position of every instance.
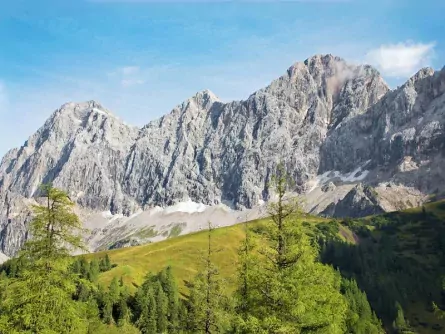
(400, 324)
(208, 304)
(107, 263)
(147, 322)
(108, 309)
(245, 259)
(46, 282)
(360, 317)
(171, 290)
(94, 270)
(123, 310)
(289, 290)
(162, 308)
(114, 290)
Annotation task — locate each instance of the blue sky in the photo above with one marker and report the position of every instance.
(140, 58)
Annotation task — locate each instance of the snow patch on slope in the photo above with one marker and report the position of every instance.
(187, 207)
(358, 174)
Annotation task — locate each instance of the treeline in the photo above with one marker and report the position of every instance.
(400, 263)
(281, 286)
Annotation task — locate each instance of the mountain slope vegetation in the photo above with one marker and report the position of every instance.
(397, 258)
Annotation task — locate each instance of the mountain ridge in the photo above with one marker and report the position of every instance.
(324, 116)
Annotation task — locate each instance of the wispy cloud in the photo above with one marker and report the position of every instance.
(128, 76)
(131, 82)
(402, 59)
(129, 70)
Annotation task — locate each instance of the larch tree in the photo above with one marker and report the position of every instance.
(208, 302)
(46, 282)
(246, 266)
(171, 290)
(289, 291)
(162, 308)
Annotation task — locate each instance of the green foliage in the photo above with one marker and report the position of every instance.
(284, 288)
(161, 308)
(208, 305)
(281, 285)
(171, 290)
(360, 317)
(45, 283)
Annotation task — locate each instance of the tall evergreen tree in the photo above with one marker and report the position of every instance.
(114, 290)
(147, 322)
(94, 270)
(46, 282)
(124, 314)
(245, 259)
(171, 290)
(208, 303)
(162, 309)
(289, 291)
(360, 318)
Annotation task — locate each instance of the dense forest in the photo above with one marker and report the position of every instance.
(290, 279)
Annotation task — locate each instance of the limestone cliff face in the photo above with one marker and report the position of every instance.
(330, 121)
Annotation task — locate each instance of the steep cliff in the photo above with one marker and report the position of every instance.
(334, 124)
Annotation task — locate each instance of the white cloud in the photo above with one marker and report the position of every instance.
(131, 82)
(129, 70)
(402, 59)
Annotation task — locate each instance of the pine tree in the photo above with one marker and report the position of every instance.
(245, 256)
(84, 267)
(107, 263)
(171, 290)
(208, 304)
(123, 310)
(94, 271)
(114, 290)
(162, 309)
(289, 290)
(46, 282)
(83, 292)
(360, 317)
(400, 324)
(107, 314)
(147, 322)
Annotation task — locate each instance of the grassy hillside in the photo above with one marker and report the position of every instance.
(395, 257)
(184, 253)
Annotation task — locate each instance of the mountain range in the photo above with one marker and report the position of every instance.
(354, 147)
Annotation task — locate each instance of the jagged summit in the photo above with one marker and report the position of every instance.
(206, 94)
(331, 120)
(421, 74)
(81, 109)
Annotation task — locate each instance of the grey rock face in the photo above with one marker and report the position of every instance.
(323, 115)
(360, 201)
(402, 135)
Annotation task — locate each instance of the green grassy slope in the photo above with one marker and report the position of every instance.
(184, 254)
(397, 256)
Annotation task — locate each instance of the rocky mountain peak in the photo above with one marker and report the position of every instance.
(202, 100)
(420, 75)
(332, 122)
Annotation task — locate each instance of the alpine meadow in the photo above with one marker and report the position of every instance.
(303, 194)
